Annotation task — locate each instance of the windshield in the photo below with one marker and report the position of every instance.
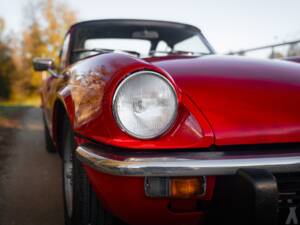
(140, 38)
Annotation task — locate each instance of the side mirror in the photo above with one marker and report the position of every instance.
(43, 64)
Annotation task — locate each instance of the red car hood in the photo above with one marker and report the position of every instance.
(246, 101)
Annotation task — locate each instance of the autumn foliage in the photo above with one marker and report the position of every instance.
(7, 65)
(46, 23)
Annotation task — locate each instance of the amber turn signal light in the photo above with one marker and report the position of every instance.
(186, 187)
(183, 187)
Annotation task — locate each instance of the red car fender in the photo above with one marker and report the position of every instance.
(190, 130)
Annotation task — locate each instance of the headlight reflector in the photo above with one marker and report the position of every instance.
(145, 105)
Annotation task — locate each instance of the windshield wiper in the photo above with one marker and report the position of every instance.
(104, 50)
(178, 52)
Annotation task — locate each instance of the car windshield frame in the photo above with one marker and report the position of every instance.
(124, 28)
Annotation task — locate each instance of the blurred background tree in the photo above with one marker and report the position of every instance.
(7, 66)
(294, 50)
(45, 24)
(276, 55)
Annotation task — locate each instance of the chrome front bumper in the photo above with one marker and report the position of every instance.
(185, 163)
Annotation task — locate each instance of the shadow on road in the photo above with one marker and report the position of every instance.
(30, 179)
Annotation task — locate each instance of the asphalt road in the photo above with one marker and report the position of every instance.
(30, 178)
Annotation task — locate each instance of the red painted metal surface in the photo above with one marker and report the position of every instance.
(240, 101)
(191, 129)
(246, 101)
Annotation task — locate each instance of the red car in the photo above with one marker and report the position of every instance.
(149, 121)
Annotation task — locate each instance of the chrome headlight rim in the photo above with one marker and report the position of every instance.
(114, 105)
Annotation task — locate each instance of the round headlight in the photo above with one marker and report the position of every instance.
(145, 105)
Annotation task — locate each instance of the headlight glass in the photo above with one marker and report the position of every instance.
(145, 105)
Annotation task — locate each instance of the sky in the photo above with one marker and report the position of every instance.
(229, 25)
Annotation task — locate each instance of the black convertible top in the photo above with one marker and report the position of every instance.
(132, 22)
(171, 32)
(153, 31)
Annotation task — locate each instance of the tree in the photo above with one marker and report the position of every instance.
(294, 50)
(32, 46)
(276, 55)
(7, 66)
(58, 17)
(2, 24)
(46, 24)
